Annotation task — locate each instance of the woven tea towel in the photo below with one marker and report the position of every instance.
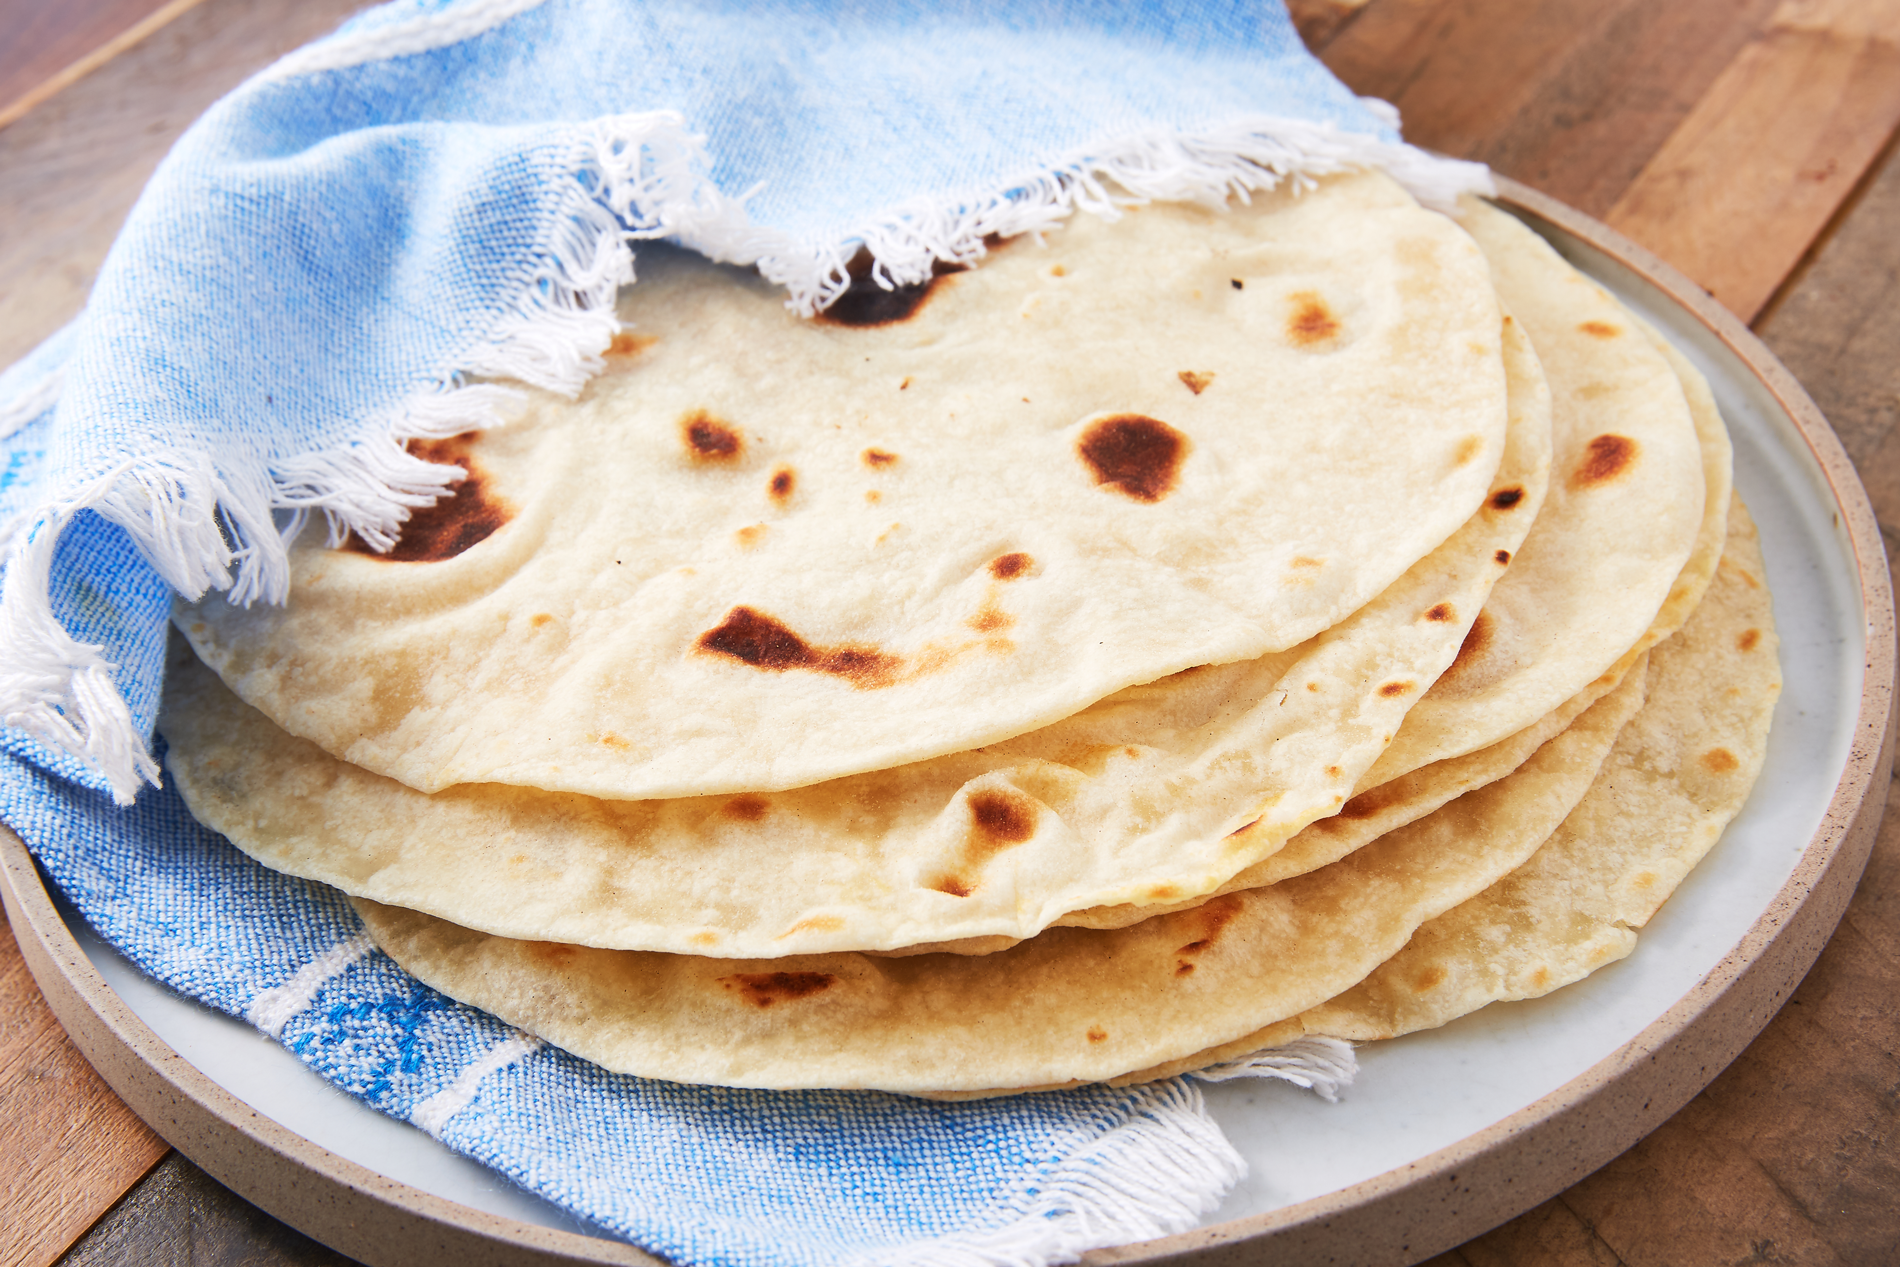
(441, 193)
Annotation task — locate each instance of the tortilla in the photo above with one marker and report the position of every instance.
(762, 552)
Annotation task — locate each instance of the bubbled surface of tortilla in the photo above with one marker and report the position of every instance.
(1142, 797)
(759, 552)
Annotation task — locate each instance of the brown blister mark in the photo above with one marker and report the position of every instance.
(1163, 892)
(1096, 1033)
(1643, 879)
(864, 303)
(878, 459)
(556, 953)
(1301, 561)
(990, 619)
(1429, 978)
(1600, 329)
(1392, 690)
(1007, 567)
(1210, 919)
(955, 886)
(1502, 556)
(748, 808)
(999, 818)
(1468, 448)
(749, 536)
(1312, 321)
(629, 344)
(816, 924)
(1137, 456)
(784, 481)
(611, 740)
(519, 860)
(1182, 968)
(1541, 977)
(754, 638)
(539, 619)
(459, 520)
(1367, 803)
(1244, 827)
(1197, 380)
(1441, 612)
(763, 989)
(1236, 283)
(707, 439)
(1750, 639)
(704, 938)
(1313, 687)
(1605, 458)
(873, 497)
(1506, 498)
(1720, 761)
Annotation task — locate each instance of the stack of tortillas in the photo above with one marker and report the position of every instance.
(1160, 642)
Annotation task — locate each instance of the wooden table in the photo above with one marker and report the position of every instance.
(1749, 142)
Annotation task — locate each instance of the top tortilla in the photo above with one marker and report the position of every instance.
(762, 552)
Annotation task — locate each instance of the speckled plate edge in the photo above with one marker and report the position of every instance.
(1402, 1216)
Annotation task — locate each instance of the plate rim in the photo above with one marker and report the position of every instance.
(1402, 1216)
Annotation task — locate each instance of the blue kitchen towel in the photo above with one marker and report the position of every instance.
(346, 254)
(341, 255)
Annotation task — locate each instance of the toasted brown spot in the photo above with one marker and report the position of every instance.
(1441, 612)
(783, 482)
(1600, 329)
(1749, 640)
(763, 989)
(1368, 803)
(1137, 456)
(748, 536)
(1242, 828)
(878, 458)
(539, 619)
(1429, 978)
(816, 924)
(1196, 381)
(627, 343)
(1502, 556)
(611, 740)
(1505, 498)
(1163, 892)
(1096, 1033)
(1541, 976)
(1007, 567)
(1643, 879)
(1313, 686)
(873, 496)
(1477, 638)
(1332, 771)
(747, 808)
(754, 638)
(1182, 968)
(1392, 690)
(1468, 448)
(459, 520)
(1301, 561)
(518, 860)
(1605, 458)
(1211, 918)
(553, 952)
(708, 439)
(704, 939)
(1720, 760)
(1312, 322)
(866, 303)
(999, 818)
(955, 886)
(1236, 283)
(990, 618)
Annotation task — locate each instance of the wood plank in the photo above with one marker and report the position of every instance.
(1570, 99)
(1749, 180)
(71, 1147)
(46, 41)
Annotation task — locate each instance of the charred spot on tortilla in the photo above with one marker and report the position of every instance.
(763, 989)
(1502, 556)
(629, 344)
(877, 459)
(747, 808)
(1749, 639)
(458, 520)
(865, 303)
(1196, 380)
(1605, 458)
(707, 439)
(783, 482)
(1007, 567)
(1312, 322)
(1135, 455)
(1441, 612)
(758, 640)
(1506, 498)
(1477, 638)
(999, 818)
(1599, 329)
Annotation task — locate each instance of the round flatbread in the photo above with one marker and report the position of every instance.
(761, 552)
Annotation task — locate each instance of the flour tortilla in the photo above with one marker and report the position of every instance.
(1633, 520)
(1675, 779)
(1072, 1005)
(1135, 798)
(761, 552)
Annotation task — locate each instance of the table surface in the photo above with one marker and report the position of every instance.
(1749, 142)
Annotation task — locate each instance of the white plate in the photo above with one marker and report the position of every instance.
(1445, 1134)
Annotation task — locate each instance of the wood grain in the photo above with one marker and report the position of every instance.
(45, 42)
(1753, 174)
(70, 1146)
